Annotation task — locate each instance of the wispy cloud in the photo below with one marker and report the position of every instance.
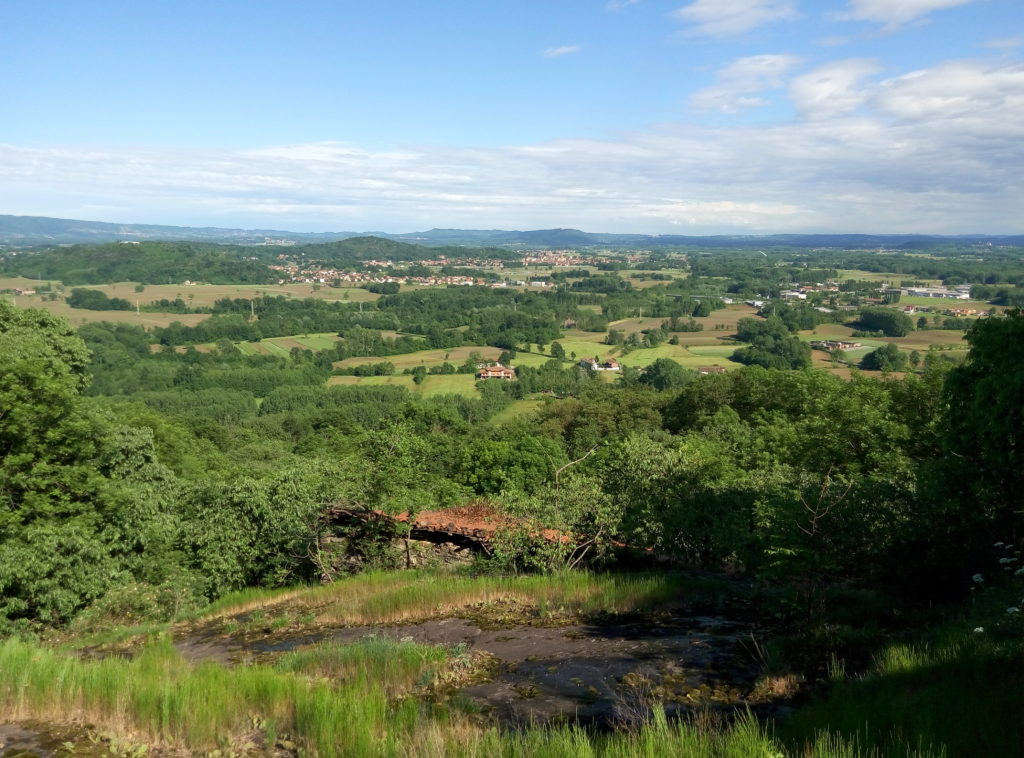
(617, 5)
(557, 52)
(740, 84)
(833, 89)
(1005, 43)
(730, 18)
(895, 13)
(953, 91)
(936, 150)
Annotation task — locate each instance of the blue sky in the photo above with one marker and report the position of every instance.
(699, 117)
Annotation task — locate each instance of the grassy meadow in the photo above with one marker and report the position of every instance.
(163, 701)
(939, 304)
(207, 294)
(882, 277)
(195, 295)
(426, 358)
(383, 597)
(516, 409)
(433, 384)
(79, 316)
(282, 346)
(922, 341)
(954, 694)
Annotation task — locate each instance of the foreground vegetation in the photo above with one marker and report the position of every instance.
(380, 697)
(168, 703)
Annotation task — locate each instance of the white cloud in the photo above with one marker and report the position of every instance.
(555, 52)
(738, 85)
(617, 5)
(833, 89)
(729, 18)
(939, 150)
(895, 13)
(1005, 43)
(954, 90)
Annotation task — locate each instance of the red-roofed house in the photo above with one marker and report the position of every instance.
(496, 371)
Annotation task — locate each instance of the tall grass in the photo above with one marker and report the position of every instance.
(165, 701)
(389, 598)
(393, 596)
(248, 599)
(959, 698)
(396, 666)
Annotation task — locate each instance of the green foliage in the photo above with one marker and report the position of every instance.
(96, 300)
(520, 461)
(52, 558)
(888, 357)
(683, 500)
(600, 415)
(912, 695)
(771, 345)
(665, 374)
(147, 262)
(383, 288)
(812, 505)
(569, 524)
(889, 321)
(985, 427)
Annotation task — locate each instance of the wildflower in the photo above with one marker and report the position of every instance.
(978, 579)
(1013, 609)
(979, 629)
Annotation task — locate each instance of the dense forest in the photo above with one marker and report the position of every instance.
(116, 458)
(161, 262)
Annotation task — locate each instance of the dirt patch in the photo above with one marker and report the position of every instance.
(606, 675)
(30, 739)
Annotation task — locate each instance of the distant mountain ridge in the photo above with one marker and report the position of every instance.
(26, 231)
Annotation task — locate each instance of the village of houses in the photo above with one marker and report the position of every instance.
(501, 371)
(294, 273)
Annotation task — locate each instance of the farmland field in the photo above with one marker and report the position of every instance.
(916, 340)
(875, 276)
(79, 316)
(433, 384)
(283, 345)
(427, 358)
(942, 303)
(531, 359)
(675, 273)
(710, 355)
(585, 344)
(196, 295)
(207, 294)
(516, 409)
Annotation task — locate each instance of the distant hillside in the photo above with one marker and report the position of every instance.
(147, 262)
(355, 249)
(38, 230)
(25, 231)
